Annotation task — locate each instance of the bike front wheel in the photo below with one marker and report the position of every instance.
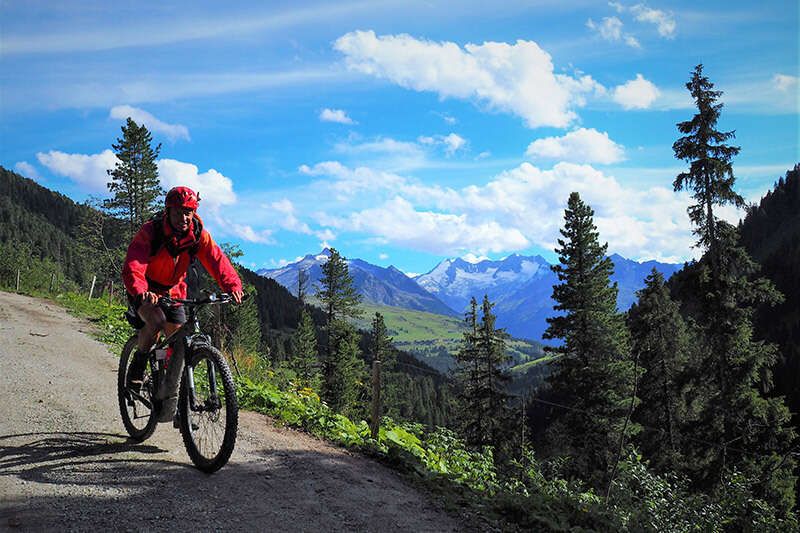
(208, 411)
(136, 408)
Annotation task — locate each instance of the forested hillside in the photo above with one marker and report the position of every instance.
(50, 224)
(771, 233)
(39, 224)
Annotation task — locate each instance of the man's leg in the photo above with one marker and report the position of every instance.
(168, 388)
(154, 322)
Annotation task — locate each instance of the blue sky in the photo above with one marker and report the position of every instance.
(401, 132)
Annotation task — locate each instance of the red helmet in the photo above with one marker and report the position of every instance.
(182, 197)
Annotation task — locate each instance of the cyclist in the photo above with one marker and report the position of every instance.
(156, 265)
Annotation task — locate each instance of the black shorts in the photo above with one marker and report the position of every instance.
(175, 314)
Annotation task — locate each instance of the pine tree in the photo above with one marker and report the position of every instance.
(491, 344)
(710, 174)
(734, 369)
(381, 347)
(341, 368)
(660, 342)
(305, 360)
(467, 373)
(134, 180)
(593, 374)
(482, 378)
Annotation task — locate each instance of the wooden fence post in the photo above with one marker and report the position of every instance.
(17, 280)
(376, 398)
(91, 290)
(52, 281)
(111, 292)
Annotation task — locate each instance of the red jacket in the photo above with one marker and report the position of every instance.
(164, 274)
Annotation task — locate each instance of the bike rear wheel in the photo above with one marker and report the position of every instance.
(208, 411)
(136, 409)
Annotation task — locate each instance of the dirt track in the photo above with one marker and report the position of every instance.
(66, 464)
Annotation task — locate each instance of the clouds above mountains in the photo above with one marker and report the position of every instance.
(514, 210)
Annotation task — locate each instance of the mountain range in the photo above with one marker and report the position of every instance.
(520, 286)
(377, 285)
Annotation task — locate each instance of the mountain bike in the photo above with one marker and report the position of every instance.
(207, 413)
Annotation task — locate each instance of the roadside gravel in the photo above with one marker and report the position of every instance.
(66, 464)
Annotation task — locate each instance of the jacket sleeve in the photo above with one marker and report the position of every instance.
(217, 264)
(136, 260)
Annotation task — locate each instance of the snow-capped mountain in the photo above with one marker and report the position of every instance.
(455, 281)
(521, 287)
(377, 285)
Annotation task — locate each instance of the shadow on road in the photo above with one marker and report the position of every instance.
(100, 481)
(32, 455)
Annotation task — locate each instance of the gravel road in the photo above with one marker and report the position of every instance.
(66, 464)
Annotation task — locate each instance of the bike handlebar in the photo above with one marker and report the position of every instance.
(212, 298)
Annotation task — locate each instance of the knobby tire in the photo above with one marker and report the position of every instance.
(192, 424)
(136, 433)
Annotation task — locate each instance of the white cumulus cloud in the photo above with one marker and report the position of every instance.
(518, 208)
(87, 170)
(638, 93)
(517, 78)
(452, 142)
(665, 22)
(140, 116)
(610, 29)
(242, 231)
(288, 220)
(399, 222)
(349, 181)
(26, 169)
(335, 115)
(578, 146)
(215, 189)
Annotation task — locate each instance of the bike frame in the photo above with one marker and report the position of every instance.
(192, 337)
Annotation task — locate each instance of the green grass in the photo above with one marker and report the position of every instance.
(524, 367)
(436, 338)
(407, 326)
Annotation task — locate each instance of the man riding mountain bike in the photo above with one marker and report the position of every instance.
(156, 265)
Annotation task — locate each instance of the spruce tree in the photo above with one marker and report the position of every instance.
(134, 180)
(734, 370)
(710, 176)
(343, 370)
(341, 367)
(493, 377)
(481, 377)
(660, 342)
(305, 355)
(593, 375)
(305, 359)
(381, 346)
(473, 425)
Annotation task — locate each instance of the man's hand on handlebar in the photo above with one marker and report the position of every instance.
(237, 296)
(150, 297)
